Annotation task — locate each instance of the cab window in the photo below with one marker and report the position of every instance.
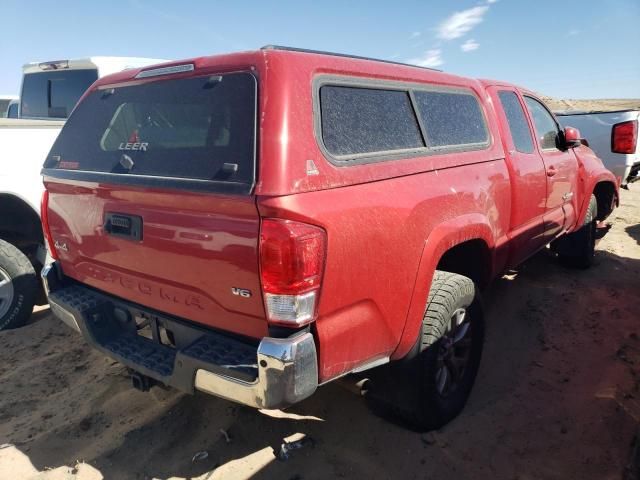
(546, 127)
(517, 121)
(53, 94)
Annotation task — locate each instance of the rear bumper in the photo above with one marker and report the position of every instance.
(277, 373)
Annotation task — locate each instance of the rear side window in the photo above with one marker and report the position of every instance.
(366, 120)
(362, 122)
(53, 94)
(451, 119)
(199, 128)
(518, 126)
(546, 127)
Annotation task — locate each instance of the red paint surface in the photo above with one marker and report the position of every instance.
(387, 223)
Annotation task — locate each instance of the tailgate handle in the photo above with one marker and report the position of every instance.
(124, 226)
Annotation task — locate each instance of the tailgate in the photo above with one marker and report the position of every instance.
(149, 198)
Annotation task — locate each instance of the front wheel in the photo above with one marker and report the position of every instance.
(18, 287)
(578, 249)
(432, 387)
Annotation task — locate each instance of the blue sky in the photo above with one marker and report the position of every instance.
(565, 49)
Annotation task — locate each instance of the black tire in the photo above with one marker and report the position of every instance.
(16, 269)
(411, 391)
(578, 249)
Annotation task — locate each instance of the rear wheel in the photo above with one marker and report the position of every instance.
(431, 388)
(18, 287)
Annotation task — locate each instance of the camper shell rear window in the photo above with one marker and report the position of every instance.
(197, 129)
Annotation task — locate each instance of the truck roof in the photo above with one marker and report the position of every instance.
(344, 55)
(326, 62)
(489, 82)
(106, 65)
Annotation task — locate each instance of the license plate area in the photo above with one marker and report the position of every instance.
(153, 328)
(160, 329)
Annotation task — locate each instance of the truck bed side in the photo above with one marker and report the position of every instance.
(597, 129)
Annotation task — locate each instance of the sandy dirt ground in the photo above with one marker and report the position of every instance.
(557, 397)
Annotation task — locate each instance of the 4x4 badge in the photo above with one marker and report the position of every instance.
(61, 246)
(241, 292)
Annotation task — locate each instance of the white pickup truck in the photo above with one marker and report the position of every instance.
(614, 138)
(49, 92)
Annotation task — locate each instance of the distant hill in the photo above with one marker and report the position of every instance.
(596, 104)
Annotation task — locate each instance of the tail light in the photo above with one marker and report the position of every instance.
(292, 256)
(624, 137)
(44, 215)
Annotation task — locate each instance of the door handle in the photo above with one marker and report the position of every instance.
(551, 171)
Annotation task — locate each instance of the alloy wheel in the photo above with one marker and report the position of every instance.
(6, 292)
(453, 353)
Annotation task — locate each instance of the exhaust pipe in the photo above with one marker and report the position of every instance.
(141, 382)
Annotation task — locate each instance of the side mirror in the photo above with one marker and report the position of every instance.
(572, 137)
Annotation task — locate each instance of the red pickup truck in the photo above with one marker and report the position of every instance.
(257, 224)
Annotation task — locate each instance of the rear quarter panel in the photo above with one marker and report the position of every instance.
(381, 218)
(378, 233)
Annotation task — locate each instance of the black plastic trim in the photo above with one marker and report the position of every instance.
(211, 186)
(95, 315)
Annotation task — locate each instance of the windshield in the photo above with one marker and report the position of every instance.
(3, 106)
(198, 128)
(12, 111)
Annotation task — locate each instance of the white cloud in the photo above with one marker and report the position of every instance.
(573, 32)
(461, 22)
(491, 1)
(470, 45)
(431, 58)
(415, 34)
